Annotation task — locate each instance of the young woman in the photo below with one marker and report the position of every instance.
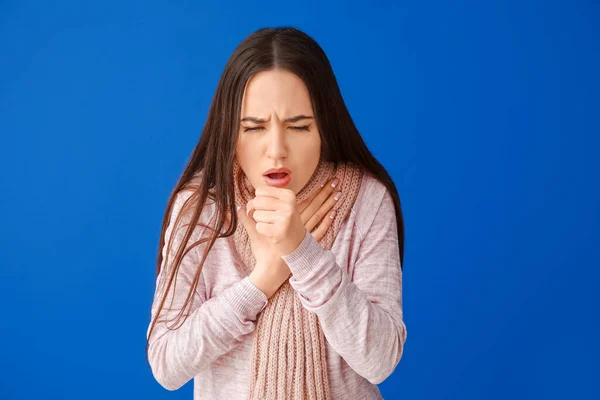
(279, 274)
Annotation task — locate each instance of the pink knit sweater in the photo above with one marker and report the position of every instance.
(355, 289)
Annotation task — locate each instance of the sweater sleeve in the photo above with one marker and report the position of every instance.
(362, 319)
(178, 350)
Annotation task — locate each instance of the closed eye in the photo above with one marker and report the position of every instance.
(296, 128)
(300, 128)
(253, 128)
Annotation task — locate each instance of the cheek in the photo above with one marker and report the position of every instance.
(311, 155)
(314, 149)
(250, 161)
(307, 144)
(244, 158)
(244, 153)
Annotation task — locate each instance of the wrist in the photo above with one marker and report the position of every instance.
(290, 246)
(259, 279)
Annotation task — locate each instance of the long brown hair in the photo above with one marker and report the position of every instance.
(268, 48)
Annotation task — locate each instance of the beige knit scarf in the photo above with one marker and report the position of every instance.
(289, 360)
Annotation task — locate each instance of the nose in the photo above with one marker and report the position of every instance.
(276, 143)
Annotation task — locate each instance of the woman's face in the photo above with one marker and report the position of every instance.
(278, 130)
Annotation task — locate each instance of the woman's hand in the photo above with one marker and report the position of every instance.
(317, 209)
(271, 271)
(284, 222)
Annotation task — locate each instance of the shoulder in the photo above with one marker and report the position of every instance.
(372, 195)
(187, 200)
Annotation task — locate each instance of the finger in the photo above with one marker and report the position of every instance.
(302, 206)
(272, 191)
(267, 217)
(318, 200)
(265, 203)
(247, 221)
(325, 224)
(264, 229)
(322, 211)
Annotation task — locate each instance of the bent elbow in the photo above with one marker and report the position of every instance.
(388, 368)
(381, 375)
(164, 379)
(160, 371)
(168, 385)
(376, 380)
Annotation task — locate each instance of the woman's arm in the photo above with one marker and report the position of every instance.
(213, 327)
(362, 319)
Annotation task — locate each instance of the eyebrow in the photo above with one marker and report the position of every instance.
(262, 120)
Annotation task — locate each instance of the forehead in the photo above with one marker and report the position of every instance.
(275, 91)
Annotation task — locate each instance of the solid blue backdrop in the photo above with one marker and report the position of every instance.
(495, 104)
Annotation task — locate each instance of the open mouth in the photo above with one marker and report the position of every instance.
(278, 179)
(277, 175)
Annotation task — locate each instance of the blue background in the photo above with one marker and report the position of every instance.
(485, 113)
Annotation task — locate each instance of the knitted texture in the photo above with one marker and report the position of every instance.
(289, 360)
